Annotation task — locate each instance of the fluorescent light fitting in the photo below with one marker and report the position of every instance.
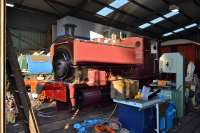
(175, 10)
(167, 34)
(157, 20)
(145, 25)
(170, 14)
(190, 26)
(118, 3)
(10, 5)
(178, 30)
(105, 11)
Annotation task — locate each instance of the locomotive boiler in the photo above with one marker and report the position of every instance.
(82, 67)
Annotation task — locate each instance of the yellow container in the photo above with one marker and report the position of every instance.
(162, 83)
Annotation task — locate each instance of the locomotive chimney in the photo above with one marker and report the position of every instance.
(70, 29)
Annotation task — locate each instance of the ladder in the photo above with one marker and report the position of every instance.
(18, 87)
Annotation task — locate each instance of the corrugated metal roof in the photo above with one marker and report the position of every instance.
(133, 14)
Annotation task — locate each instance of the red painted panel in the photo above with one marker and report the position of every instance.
(56, 90)
(165, 49)
(188, 51)
(87, 51)
(33, 83)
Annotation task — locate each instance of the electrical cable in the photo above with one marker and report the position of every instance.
(112, 113)
(42, 114)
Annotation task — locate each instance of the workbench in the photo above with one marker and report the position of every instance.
(142, 105)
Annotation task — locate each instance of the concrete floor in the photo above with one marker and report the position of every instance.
(190, 123)
(51, 121)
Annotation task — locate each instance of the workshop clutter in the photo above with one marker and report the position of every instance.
(162, 83)
(10, 109)
(124, 88)
(36, 76)
(85, 126)
(98, 125)
(31, 64)
(104, 128)
(36, 89)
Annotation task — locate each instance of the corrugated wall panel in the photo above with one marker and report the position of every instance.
(195, 36)
(28, 40)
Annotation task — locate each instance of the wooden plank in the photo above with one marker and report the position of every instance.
(2, 62)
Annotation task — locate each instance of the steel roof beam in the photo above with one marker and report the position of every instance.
(118, 10)
(182, 12)
(51, 6)
(125, 13)
(81, 4)
(30, 9)
(153, 11)
(197, 3)
(191, 35)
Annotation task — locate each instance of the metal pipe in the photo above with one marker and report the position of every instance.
(157, 118)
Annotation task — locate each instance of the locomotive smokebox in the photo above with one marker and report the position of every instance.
(62, 63)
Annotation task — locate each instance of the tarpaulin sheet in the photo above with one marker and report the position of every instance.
(39, 66)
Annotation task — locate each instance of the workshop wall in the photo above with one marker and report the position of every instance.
(28, 40)
(195, 36)
(29, 28)
(29, 20)
(189, 51)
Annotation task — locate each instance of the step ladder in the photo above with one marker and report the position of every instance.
(18, 87)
